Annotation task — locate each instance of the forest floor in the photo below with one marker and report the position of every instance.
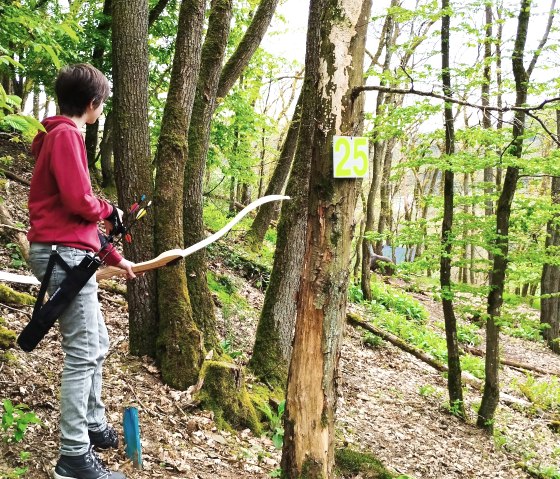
(390, 403)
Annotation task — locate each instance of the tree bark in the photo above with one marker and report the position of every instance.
(214, 82)
(454, 385)
(247, 47)
(275, 330)
(213, 52)
(106, 153)
(385, 207)
(133, 160)
(92, 130)
(266, 213)
(180, 345)
(321, 307)
(550, 280)
(377, 148)
(491, 395)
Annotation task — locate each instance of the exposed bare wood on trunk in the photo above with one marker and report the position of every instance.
(133, 168)
(312, 386)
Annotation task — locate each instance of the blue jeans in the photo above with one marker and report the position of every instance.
(85, 343)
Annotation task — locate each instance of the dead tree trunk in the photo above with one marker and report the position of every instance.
(321, 309)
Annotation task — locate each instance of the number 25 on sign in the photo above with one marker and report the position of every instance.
(350, 156)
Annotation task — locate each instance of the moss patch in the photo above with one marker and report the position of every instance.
(224, 392)
(7, 338)
(350, 463)
(10, 296)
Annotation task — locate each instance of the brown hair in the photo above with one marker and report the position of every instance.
(77, 86)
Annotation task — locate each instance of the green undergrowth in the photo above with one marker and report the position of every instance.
(216, 215)
(543, 393)
(352, 463)
(405, 317)
(15, 419)
(270, 405)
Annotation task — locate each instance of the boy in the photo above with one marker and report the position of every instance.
(63, 211)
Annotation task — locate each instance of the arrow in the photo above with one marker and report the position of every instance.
(174, 254)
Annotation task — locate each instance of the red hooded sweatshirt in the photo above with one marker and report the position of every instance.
(62, 207)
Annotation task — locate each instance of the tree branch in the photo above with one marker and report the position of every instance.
(543, 40)
(430, 94)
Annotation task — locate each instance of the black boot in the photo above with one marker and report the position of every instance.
(86, 466)
(105, 439)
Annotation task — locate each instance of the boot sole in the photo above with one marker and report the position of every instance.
(58, 476)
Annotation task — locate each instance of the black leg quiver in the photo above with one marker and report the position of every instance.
(45, 315)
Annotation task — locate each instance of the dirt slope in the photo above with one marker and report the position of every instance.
(381, 408)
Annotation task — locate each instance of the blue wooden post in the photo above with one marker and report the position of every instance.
(131, 427)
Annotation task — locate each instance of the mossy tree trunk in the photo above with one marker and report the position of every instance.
(133, 165)
(259, 227)
(213, 52)
(214, 82)
(275, 330)
(522, 75)
(180, 348)
(550, 280)
(321, 307)
(454, 386)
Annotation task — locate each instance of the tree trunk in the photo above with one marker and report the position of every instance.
(106, 153)
(491, 395)
(550, 280)
(247, 47)
(385, 207)
(259, 227)
(214, 82)
(377, 148)
(321, 307)
(454, 376)
(180, 344)
(133, 166)
(92, 130)
(213, 52)
(486, 118)
(275, 330)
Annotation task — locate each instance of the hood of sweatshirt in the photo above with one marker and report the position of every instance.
(50, 124)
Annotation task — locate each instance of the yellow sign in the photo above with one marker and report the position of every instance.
(350, 156)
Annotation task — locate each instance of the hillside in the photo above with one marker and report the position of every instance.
(391, 404)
